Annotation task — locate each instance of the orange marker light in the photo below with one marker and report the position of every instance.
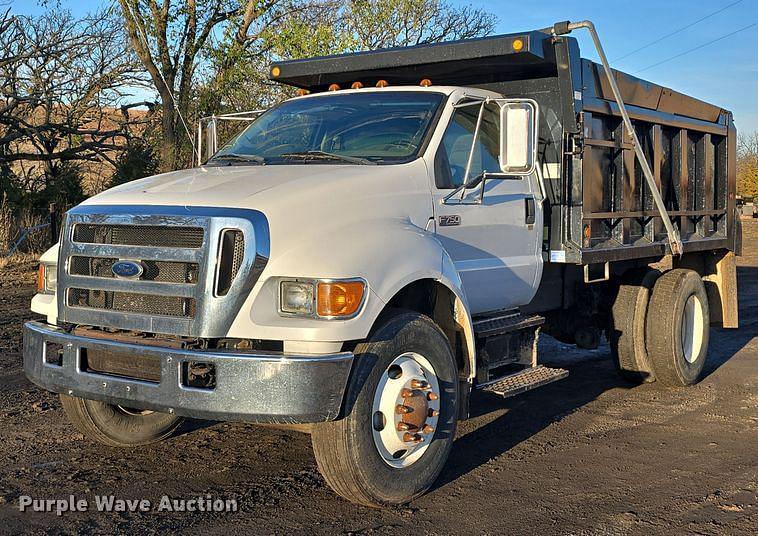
(382, 83)
(518, 45)
(302, 92)
(357, 85)
(41, 278)
(339, 298)
(275, 71)
(334, 87)
(426, 82)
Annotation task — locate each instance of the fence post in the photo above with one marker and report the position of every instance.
(53, 224)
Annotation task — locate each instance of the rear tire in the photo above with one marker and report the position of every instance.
(358, 455)
(678, 326)
(626, 332)
(117, 426)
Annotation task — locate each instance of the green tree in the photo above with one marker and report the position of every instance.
(237, 76)
(139, 160)
(171, 39)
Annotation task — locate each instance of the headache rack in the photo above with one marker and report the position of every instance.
(601, 204)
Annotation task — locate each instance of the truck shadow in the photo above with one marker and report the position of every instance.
(527, 414)
(725, 343)
(591, 373)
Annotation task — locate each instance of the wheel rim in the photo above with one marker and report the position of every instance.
(133, 411)
(405, 410)
(692, 328)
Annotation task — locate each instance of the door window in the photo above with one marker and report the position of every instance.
(452, 155)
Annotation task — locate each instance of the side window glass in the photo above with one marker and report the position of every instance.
(453, 153)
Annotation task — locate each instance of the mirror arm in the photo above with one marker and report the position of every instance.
(473, 146)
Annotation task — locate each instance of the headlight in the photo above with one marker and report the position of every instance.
(296, 298)
(47, 278)
(327, 299)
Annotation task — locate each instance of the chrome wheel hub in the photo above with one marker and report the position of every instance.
(405, 410)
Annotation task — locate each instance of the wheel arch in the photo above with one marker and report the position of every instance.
(445, 303)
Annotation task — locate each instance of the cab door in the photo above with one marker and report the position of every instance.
(496, 244)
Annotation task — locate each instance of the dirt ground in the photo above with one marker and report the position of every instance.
(587, 455)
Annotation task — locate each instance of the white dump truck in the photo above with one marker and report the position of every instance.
(361, 258)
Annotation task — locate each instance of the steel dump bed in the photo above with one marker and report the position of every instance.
(600, 208)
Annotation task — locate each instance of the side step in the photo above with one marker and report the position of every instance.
(525, 380)
(507, 323)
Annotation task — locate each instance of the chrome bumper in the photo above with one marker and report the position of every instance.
(260, 387)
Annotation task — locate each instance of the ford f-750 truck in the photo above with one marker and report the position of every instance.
(362, 257)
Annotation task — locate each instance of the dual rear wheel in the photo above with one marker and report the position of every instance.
(660, 327)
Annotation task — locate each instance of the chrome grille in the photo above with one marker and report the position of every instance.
(163, 271)
(132, 303)
(140, 235)
(179, 249)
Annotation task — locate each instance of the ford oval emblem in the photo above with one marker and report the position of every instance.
(127, 269)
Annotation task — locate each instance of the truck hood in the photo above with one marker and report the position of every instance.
(227, 186)
(312, 199)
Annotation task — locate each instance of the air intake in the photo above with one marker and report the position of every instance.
(231, 255)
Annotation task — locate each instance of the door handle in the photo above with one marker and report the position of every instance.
(530, 213)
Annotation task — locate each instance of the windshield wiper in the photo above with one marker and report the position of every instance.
(321, 155)
(233, 157)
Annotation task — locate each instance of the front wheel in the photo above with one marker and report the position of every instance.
(401, 415)
(118, 426)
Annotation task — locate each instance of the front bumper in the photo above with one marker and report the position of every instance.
(259, 387)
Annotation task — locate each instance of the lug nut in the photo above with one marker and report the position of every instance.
(403, 426)
(419, 384)
(412, 438)
(406, 393)
(427, 429)
(401, 409)
(432, 396)
(433, 413)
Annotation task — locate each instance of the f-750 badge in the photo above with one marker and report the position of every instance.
(450, 220)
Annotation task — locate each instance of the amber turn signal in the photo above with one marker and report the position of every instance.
(339, 298)
(518, 45)
(41, 279)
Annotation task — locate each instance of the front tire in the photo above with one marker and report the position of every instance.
(678, 323)
(381, 454)
(118, 426)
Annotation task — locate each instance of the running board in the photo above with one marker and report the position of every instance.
(508, 323)
(525, 380)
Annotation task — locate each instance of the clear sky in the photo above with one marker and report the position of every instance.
(723, 73)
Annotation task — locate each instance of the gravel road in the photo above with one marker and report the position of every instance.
(588, 455)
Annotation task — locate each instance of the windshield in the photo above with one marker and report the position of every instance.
(356, 128)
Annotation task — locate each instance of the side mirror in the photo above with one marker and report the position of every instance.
(518, 136)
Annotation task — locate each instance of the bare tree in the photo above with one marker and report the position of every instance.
(747, 165)
(60, 81)
(170, 39)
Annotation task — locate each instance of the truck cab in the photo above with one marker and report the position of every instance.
(357, 261)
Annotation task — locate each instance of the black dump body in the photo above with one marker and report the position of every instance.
(600, 207)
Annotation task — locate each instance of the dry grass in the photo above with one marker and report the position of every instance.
(17, 259)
